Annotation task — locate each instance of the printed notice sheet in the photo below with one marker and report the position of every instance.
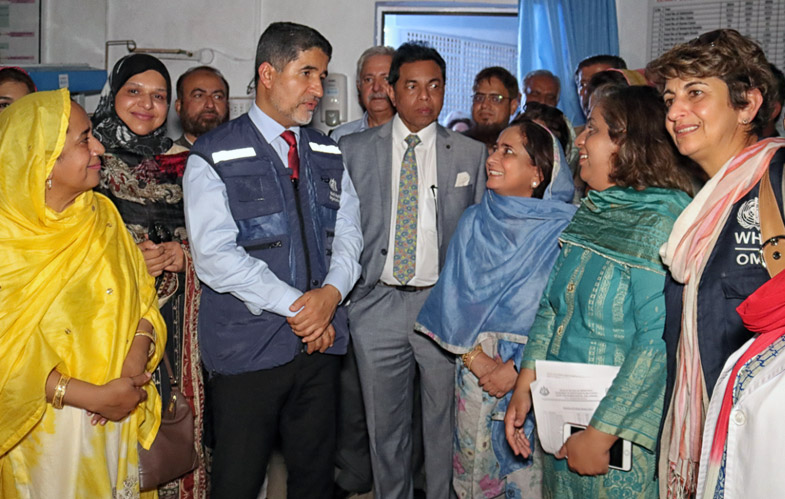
(678, 21)
(20, 32)
(567, 392)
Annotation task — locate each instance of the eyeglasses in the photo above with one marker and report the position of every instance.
(492, 98)
(709, 38)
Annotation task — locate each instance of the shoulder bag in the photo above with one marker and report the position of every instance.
(173, 453)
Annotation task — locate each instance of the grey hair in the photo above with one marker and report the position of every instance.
(542, 72)
(368, 53)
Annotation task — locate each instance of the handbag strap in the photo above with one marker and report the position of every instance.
(772, 229)
(169, 370)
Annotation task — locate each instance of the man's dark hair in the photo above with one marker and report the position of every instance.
(414, 52)
(508, 80)
(207, 69)
(552, 118)
(602, 83)
(613, 61)
(281, 43)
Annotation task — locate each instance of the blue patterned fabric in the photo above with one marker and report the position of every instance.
(496, 267)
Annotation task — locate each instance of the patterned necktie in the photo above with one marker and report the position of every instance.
(404, 257)
(294, 159)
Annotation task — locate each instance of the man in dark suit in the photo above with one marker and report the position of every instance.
(414, 179)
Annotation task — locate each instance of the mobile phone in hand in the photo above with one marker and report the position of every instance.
(621, 451)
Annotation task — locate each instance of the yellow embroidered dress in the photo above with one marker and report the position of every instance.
(73, 287)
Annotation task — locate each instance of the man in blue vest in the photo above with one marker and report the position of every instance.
(273, 221)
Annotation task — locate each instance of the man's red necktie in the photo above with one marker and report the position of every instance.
(294, 158)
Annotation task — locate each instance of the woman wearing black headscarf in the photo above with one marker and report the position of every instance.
(142, 175)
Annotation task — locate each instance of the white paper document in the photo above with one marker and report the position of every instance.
(567, 392)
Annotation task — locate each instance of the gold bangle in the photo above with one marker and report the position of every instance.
(468, 358)
(59, 395)
(471, 360)
(151, 337)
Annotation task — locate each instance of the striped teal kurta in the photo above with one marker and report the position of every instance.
(604, 304)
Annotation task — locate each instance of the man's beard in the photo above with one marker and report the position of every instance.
(486, 134)
(302, 117)
(202, 123)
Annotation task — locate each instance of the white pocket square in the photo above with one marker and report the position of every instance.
(462, 179)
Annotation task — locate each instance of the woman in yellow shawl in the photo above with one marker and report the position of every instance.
(79, 323)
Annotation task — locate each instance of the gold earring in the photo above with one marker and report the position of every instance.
(49, 184)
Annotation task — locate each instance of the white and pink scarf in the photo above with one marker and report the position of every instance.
(686, 253)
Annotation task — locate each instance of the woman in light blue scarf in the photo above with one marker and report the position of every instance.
(486, 299)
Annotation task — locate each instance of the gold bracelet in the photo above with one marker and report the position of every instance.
(468, 358)
(151, 336)
(471, 359)
(62, 384)
(468, 355)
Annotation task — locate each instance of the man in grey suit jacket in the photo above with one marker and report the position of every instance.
(414, 179)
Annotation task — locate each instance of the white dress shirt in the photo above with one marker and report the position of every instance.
(226, 267)
(427, 257)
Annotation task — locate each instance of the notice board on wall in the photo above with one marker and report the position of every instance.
(20, 32)
(677, 21)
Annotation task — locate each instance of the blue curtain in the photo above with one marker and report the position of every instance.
(557, 34)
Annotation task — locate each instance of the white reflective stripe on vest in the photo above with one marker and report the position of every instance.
(245, 152)
(326, 148)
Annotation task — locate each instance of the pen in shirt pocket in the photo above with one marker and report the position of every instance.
(434, 191)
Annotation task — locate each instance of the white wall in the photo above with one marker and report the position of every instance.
(347, 24)
(231, 28)
(632, 17)
(76, 30)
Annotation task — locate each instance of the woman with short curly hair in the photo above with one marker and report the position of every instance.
(718, 89)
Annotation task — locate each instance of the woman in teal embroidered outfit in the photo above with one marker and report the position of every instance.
(603, 303)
